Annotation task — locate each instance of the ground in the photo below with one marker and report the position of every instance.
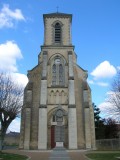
(44, 155)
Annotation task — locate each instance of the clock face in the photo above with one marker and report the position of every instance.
(59, 113)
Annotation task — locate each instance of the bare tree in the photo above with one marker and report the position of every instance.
(114, 97)
(10, 102)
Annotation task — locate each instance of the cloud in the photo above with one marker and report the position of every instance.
(103, 84)
(15, 125)
(9, 53)
(109, 109)
(104, 70)
(20, 78)
(118, 67)
(8, 16)
(91, 82)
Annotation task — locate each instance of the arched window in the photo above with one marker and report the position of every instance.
(57, 33)
(60, 74)
(54, 74)
(57, 72)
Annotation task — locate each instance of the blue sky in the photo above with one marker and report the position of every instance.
(95, 34)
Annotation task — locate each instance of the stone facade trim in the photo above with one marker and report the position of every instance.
(70, 59)
(43, 106)
(71, 106)
(44, 71)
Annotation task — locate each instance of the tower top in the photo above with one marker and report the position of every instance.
(57, 14)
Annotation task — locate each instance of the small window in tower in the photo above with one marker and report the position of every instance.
(57, 33)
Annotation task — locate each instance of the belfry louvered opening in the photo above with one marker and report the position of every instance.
(57, 33)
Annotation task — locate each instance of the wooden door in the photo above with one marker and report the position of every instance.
(52, 136)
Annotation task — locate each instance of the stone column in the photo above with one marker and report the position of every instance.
(71, 73)
(27, 128)
(72, 119)
(44, 71)
(72, 127)
(42, 127)
(87, 120)
(27, 119)
(42, 132)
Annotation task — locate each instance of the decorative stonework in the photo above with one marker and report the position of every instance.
(57, 97)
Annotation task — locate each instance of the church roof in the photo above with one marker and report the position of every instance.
(58, 14)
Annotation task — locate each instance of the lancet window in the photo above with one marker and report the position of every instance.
(58, 72)
(57, 33)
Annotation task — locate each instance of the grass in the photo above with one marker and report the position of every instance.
(9, 156)
(103, 156)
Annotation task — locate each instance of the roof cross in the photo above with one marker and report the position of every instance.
(57, 8)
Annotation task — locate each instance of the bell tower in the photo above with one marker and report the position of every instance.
(57, 29)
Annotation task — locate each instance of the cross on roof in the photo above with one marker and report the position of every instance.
(57, 9)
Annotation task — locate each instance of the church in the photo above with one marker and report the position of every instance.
(57, 106)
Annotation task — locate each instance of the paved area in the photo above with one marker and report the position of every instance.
(59, 153)
(51, 154)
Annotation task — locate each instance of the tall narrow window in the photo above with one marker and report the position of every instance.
(60, 74)
(57, 33)
(54, 74)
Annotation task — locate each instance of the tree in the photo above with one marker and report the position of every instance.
(114, 97)
(99, 123)
(111, 128)
(10, 102)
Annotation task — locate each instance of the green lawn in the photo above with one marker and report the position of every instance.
(103, 156)
(8, 156)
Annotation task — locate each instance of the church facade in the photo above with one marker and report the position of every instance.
(57, 108)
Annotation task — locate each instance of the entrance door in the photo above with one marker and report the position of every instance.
(59, 134)
(53, 136)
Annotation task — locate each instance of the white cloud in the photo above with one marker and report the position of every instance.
(20, 78)
(109, 109)
(118, 67)
(91, 82)
(15, 125)
(9, 53)
(103, 84)
(104, 70)
(8, 16)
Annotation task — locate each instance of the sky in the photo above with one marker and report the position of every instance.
(95, 35)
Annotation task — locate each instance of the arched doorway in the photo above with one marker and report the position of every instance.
(58, 128)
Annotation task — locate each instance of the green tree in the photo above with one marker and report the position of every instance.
(99, 123)
(111, 128)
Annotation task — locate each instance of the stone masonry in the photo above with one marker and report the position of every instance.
(57, 93)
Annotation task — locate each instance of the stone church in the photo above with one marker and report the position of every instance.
(57, 108)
